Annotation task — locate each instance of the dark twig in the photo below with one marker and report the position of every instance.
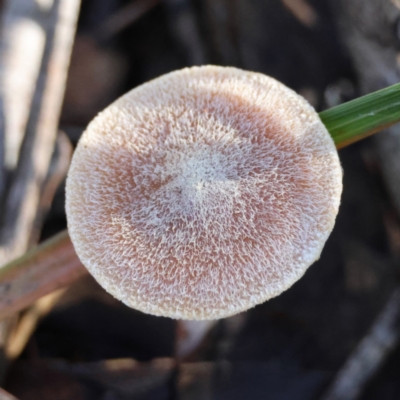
(222, 22)
(183, 24)
(369, 355)
(124, 17)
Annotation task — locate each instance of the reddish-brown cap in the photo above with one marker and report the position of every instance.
(203, 193)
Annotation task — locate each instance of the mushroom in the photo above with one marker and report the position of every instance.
(203, 193)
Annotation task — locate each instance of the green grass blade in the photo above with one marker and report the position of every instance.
(356, 119)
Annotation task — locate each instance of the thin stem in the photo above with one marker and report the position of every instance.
(359, 118)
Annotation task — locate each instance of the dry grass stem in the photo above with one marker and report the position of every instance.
(22, 37)
(22, 202)
(28, 322)
(49, 267)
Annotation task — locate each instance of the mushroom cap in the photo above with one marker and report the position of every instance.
(203, 193)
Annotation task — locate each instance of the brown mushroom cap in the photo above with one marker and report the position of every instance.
(203, 193)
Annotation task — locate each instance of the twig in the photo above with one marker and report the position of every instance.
(50, 266)
(2, 147)
(35, 50)
(302, 11)
(28, 322)
(6, 396)
(22, 202)
(369, 355)
(57, 172)
(22, 38)
(38, 39)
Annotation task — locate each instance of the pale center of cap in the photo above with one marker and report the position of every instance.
(203, 168)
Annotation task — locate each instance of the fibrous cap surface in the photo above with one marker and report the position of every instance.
(203, 193)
